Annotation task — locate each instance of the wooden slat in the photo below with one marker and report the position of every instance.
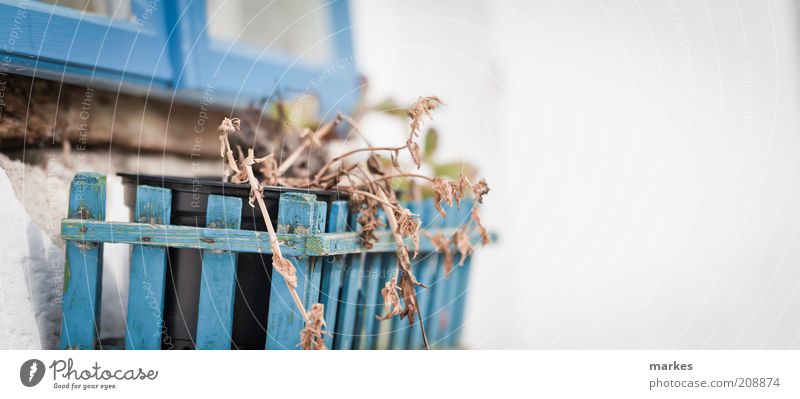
(144, 322)
(83, 271)
(383, 330)
(348, 309)
(459, 296)
(442, 297)
(400, 330)
(333, 271)
(228, 240)
(297, 214)
(218, 279)
(371, 300)
(427, 266)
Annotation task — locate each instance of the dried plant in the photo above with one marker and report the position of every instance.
(442, 244)
(391, 301)
(461, 241)
(369, 185)
(311, 336)
(485, 238)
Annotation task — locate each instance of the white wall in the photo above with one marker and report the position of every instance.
(643, 158)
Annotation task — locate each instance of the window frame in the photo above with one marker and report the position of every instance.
(168, 52)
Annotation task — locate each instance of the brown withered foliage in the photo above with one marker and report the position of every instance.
(311, 335)
(391, 301)
(458, 189)
(408, 226)
(422, 108)
(442, 245)
(409, 291)
(442, 192)
(485, 238)
(369, 221)
(479, 190)
(461, 240)
(374, 164)
(370, 184)
(413, 149)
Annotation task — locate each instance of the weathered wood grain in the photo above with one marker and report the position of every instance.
(218, 279)
(333, 271)
(145, 319)
(233, 240)
(426, 269)
(83, 270)
(297, 214)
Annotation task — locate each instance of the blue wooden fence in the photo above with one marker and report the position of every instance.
(321, 241)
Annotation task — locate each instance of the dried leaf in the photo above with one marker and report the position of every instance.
(479, 190)
(442, 193)
(485, 238)
(459, 188)
(374, 164)
(423, 107)
(311, 334)
(409, 291)
(442, 244)
(413, 148)
(408, 226)
(461, 240)
(369, 221)
(391, 301)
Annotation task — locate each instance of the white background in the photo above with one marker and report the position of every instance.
(643, 158)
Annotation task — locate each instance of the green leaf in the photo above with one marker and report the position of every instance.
(431, 142)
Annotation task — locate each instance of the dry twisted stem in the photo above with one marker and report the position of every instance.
(314, 320)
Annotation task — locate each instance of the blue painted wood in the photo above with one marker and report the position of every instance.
(427, 267)
(401, 331)
(218, 279)
(383, 328)
(238, 241)
(245, 72)
(345, 332)
(83, 43)
(333, 272)
(83, 270)
(145, 319)
(371, 301)
(297, 213)
(461, 286)
(442, 299)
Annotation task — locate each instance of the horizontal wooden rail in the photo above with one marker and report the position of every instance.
(234, 240)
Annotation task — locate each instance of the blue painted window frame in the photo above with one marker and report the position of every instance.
(167, 49)
(56, 42)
